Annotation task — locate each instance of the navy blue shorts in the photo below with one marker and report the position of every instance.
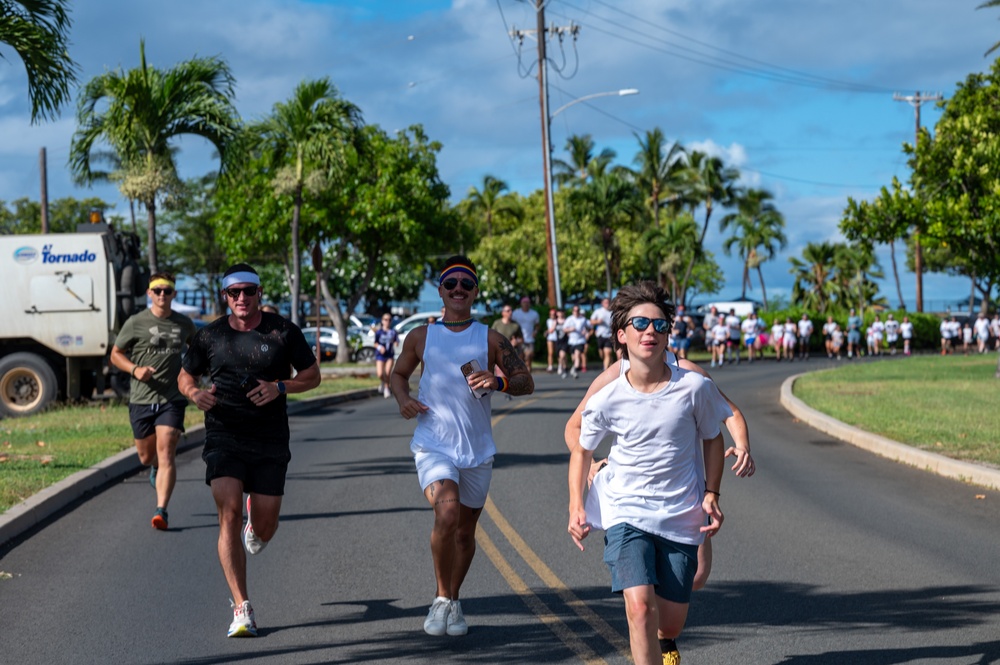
(146, 417)
(636, 558)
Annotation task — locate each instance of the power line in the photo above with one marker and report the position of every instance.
(690, 55)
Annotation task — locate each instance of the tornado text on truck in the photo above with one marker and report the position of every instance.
(64, 300)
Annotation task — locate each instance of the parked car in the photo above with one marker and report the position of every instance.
(361, 342)
(327, 350)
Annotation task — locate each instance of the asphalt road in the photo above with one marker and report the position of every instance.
(828, 555)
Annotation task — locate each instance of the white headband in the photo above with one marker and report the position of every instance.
(240, 278)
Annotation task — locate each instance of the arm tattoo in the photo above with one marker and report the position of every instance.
(519, 380)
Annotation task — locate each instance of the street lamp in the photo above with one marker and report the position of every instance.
(555, 288)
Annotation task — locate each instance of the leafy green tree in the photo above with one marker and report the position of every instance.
(583, 164)
(856, 268)
(138, 114)
(609, 203)
(306, 142)
(393, 205)
(65, 215)
(814, 288)
(38, 31)
(708, 181)
(491, 202)
(757, 233)
(659, 170)
(190, 246)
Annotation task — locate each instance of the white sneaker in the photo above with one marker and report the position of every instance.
(436, 622)
(250, 539)
(456, 620)
(387, 392)
(243, 624)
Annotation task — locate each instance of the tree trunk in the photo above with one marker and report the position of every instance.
(698, 247)
(895, 273)
(972, 294)
(763, 290)
(296, 257)
(746, 278)
(607, 269)
(151, 237)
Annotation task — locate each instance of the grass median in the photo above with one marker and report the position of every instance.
(946, 405)
(41, 450)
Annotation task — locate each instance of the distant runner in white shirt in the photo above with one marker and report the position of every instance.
(528, 319)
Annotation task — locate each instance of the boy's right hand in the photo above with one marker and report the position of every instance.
(578, 527)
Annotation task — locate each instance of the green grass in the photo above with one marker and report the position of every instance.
(947, 405)
(40, 450)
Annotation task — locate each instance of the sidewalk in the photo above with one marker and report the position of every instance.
(966, 472)
(39, 507)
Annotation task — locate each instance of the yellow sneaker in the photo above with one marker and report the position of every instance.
(671, 656)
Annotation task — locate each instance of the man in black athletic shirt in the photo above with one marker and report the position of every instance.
(247, 358)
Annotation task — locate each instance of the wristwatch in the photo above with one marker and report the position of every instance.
(281, 387)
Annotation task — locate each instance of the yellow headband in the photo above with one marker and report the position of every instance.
(161, 282)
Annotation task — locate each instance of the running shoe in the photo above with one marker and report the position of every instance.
(152, 476)
(671, 656)
(436, 622)
(456, 620)
(160, 519)
(250, 540)
(243, 624)
(387, 392)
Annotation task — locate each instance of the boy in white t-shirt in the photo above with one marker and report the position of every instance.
(662, 476)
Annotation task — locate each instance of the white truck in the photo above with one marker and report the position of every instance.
(63, 300)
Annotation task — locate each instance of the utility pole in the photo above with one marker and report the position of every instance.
(44, 195)
(916, 101)
(551, 252)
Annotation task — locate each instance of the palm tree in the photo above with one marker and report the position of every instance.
(659, 170)
(583, 164)
(757, 233)
(144, 110)
(304, 141)
(709, 181)
(492, 203)
(668, 248)
(814, 286)
(38, 30)
(609, 202)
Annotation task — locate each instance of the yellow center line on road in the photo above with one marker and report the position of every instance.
(535, 604)
(545, 574)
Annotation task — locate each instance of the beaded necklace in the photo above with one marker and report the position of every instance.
(455, 324)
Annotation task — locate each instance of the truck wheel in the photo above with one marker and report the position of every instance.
(27, 384)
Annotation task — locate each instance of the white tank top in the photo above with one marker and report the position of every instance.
(456, 424)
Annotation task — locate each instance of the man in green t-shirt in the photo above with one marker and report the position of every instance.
(149, 348)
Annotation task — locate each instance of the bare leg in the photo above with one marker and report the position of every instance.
(465, 546)
(228, 495)
(704, 565)
(443, 497)
(641, 608)
(166, 453)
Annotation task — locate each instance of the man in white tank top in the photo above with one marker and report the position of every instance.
(453, 442)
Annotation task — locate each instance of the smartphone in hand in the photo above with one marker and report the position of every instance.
(469, 368)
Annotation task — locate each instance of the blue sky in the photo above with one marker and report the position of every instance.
(798, 95)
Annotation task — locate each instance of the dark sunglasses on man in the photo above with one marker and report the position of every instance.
(452, 282)
(235, 291)
(166, 290)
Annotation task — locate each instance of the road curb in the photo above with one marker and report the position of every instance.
(40, 506)
(880, 445)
